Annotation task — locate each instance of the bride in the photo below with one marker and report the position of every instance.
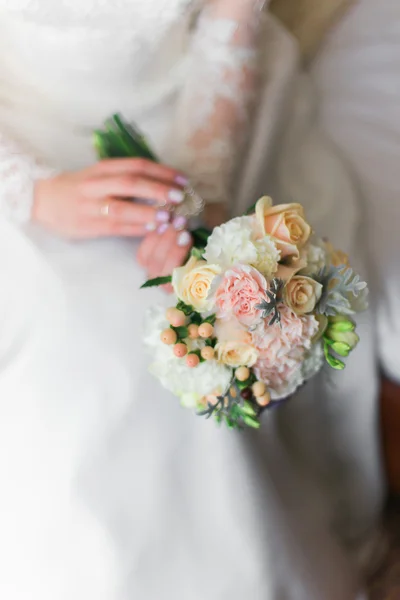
(111, 491)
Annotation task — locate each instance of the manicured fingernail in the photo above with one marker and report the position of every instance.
(182, 180)
(162, 228)
(176, 196)
(184, 239)
(151, 226)
(162, 216)
(179, 222)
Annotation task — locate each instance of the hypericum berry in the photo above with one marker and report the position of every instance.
(242, 374)
(264, 400)
(259, 388)
(207, 353)
(246, 394)
(206, 330)
(193, 331)
(168, 336)
(233, 392)
(176, 317)
(180, 350)
(192, 360)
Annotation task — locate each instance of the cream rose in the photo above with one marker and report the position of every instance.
(285, 223)
(192, 282)
(301, 294)
(236, 354)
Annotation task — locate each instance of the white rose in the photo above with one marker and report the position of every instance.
(232, 243)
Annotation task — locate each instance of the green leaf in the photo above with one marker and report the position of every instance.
(251, 210)
(196, 318)
(250, 422)
(200, 236)
(185, 308)
(248, 409)
(181, 332)
(231, 424)
(197, 253)
(156, 282)
(211, 319)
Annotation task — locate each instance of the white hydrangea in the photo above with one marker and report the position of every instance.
(190, 385)
(232, 243)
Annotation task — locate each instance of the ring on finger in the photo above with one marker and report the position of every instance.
(105, 209)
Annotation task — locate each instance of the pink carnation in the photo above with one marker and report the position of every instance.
(240, 291)
(282, 347)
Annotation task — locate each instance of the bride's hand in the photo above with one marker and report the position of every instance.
(163, 250)
(95, 202)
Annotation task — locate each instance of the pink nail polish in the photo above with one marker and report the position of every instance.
(179, 223)
(162, 216)
(162, 228)
(151, 226)
(184, 239)
(182, 180)
(176, 196)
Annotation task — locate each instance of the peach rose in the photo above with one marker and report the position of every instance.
(236, 354)
(285, 223)
(241, 290)
(192, 282)
(301, 294)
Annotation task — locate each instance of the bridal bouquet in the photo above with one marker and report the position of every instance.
(260, 305)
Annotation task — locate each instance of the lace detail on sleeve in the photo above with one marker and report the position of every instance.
(18, 173)
(214, 111)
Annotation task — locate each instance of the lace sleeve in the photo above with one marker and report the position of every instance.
(214, 110)
(18, 173)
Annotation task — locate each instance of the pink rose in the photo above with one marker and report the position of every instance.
(240, 291)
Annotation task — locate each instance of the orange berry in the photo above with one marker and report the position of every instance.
(242, 373)
(207, 353)
(264, 400)
(192, 360)
(193, 331)
(206, 330)
(176, 317)
(168, 336)
(180, 350)
(259, 388)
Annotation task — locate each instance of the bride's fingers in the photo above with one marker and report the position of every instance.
(102, 229)
(139, 166)
(145, 250)
(123, 211)
(169, 252)
(134, 186)
(177, 252)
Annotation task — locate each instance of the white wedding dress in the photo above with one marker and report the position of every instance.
(111, 491)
